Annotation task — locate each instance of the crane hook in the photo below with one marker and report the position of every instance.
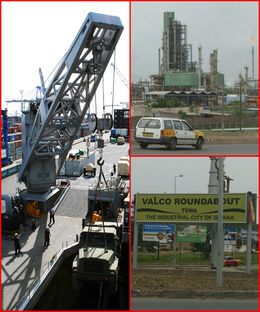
(100, 162)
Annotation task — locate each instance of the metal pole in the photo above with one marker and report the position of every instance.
(174, 250)
(251, 219)
(175, 182)
(240, 104)
(248, 248)
(213, 189)
(159, 61)
(135, 243)
(253, 63)
(222, 111)
(174, 243)
(220, 230)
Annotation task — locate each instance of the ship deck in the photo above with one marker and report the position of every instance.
(19, 273)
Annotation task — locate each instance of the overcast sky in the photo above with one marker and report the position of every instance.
(156, 175)
(38, 34)
(225, 26)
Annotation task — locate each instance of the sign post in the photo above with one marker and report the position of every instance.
(192, 210)
(174, 252)
(251, 220)
(220, 229)
(135, 243)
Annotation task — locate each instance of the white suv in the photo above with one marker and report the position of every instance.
(167, 131)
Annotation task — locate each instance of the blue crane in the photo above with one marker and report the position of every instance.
(51, 126)
(5, 151)
(43, 89)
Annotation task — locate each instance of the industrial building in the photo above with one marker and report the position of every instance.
(177, 71)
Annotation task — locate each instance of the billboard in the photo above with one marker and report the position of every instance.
(191, 233)
(193, 208)
(230, 235)
(155, 232)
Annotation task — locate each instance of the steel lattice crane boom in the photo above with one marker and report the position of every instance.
(121, 76)
(43, 88)
(50, 128)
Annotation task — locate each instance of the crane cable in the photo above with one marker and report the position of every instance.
(100, 295)
(113, 82)
(103, 87)
(95, 97)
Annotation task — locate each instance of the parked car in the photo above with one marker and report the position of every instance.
(167, 131)
(231, 261)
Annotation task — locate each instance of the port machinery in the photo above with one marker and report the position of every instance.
(49, 128)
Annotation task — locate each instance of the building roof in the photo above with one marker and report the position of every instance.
(163, 93)
(157, 92)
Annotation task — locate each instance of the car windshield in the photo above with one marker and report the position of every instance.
(149, 123)
(97, 240)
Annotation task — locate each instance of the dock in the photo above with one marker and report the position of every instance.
(21, 273)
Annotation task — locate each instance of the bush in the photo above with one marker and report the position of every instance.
(166, 103)
(182, 114)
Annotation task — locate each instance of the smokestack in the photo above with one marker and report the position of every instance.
(159, 61)
(200, 66)
(253, 63)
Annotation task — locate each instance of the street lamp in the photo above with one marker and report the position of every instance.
(175, 181)
(174, 243)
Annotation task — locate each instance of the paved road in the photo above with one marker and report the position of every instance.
(212, 149)
(193, 304)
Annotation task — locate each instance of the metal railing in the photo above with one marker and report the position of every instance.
(47, 267)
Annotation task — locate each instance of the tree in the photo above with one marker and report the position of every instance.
(204, 248)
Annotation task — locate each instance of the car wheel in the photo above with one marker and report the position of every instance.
(199, 143)
(143, 145)
(172, 144)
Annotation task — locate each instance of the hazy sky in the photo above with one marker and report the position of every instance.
(225, 26)
(156, 175)
(38, 34)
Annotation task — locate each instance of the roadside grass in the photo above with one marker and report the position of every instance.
(167, 258)
(224, 137)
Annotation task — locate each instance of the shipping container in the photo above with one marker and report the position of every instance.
(18, 154)
(11, 137)
(74, 168)
(18, 126)
(3, 155)
(18, 144)
(18, 136)
(19, 150)
(11, 146)
(12, 153)
(11, 130)
(17, 129)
